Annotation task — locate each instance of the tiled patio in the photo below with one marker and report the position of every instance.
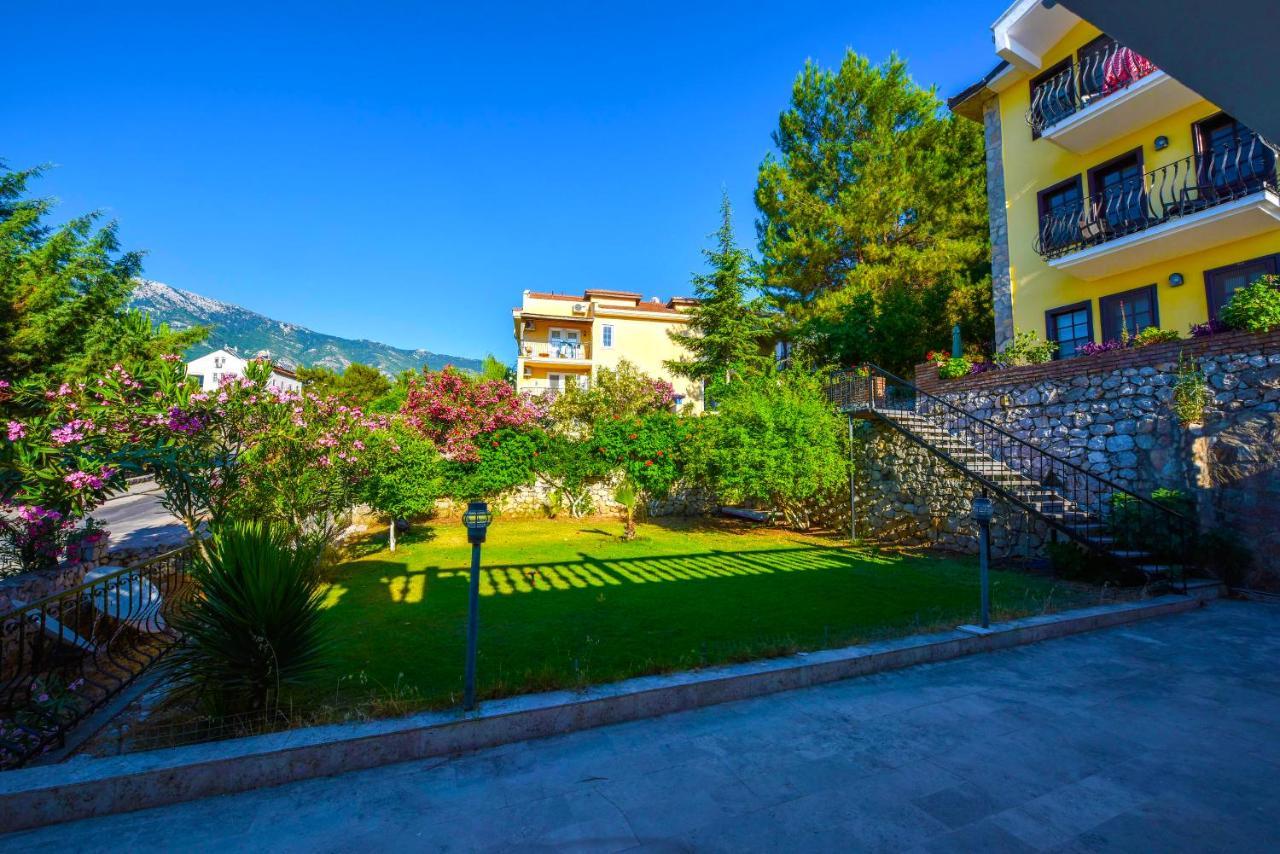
(1158, 736)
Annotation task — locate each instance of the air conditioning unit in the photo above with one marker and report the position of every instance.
(528, 326)
(579, 308)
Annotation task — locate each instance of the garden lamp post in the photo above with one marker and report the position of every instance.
(982, 511)
(477, 519)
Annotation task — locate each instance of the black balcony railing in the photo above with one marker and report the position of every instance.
(1179, 189)
(64, 656)
(1097, 74)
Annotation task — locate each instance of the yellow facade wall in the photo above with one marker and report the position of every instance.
(1033, 165)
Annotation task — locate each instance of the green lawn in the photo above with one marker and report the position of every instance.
(567, 602)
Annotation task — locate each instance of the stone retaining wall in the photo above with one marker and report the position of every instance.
(1111, 415)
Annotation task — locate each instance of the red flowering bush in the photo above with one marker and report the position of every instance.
(452, 409)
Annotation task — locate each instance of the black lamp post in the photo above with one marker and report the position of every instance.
(477, 519)
(982, 511)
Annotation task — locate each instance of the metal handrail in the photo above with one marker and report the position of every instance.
(1128, 524)
(64, 656)
(1097, 75)
(1187, 186)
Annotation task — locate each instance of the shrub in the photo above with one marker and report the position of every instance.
(457, 411)
(404, 476)
(775, 440)
(253, 633)
(1190, 393)
(647, 451)
(954, 368)
(1224, 556)
(1137, 525)
(1026, 348)
(1256, 307)
(1094, 348)
(1210, 327)
(1154, 335)
(503, 461)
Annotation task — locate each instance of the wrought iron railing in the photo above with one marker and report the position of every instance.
(1090, 509)
(1187, 186)
(1096, 75)
(64, 656)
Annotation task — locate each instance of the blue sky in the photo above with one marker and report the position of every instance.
(401, 171)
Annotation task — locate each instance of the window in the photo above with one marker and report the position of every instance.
(1221, 283)
(606, 335)
(1052, 97)
(218, 361)
(199, 379)
(1119, 198)
(1071, 326)
(1131, 311)
(679, 400)
(1060, 208)
(1233, 161)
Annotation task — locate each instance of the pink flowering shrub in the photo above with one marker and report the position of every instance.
(452, 409)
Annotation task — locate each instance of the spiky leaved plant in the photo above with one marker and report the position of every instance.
(252, 631)
(629, 497)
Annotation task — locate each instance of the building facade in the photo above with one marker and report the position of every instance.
(1120, 199)
(210, 368)
(564, 339)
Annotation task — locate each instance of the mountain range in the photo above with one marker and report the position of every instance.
(247, 333)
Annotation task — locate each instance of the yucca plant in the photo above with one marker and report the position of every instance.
(252, 631)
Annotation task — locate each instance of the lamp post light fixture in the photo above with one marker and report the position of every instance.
(983, 511)
(477, 519)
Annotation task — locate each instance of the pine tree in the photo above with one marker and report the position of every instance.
(873, 224)
(64, 292)
(726, 330)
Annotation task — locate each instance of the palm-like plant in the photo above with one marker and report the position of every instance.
(629, 497)
(253, 629)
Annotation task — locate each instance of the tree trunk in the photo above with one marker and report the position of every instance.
(391, 534)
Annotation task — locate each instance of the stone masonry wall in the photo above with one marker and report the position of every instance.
(1111, 415)
(907, 496)
(998, 217)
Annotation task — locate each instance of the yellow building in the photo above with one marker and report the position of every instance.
(1118, 196)
(563, 339)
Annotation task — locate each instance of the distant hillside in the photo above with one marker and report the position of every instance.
(248, 332)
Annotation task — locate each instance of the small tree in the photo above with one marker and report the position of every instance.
(454, 409)
(645, 451)
(493, 368)
(622, 392)
(404, 476)
(571, 466)
(774, 440)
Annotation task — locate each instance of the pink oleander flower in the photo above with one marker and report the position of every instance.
(73, 431)
(17, 430)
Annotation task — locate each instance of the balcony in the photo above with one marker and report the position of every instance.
(556, 352)
(1107, 93)
(1187, 206)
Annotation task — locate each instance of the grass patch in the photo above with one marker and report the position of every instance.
(567, 603)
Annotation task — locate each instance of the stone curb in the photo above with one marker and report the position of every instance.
(32, 797)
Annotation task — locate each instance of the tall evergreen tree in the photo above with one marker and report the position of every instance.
(873, 223)
(64, 291)
(726, 329)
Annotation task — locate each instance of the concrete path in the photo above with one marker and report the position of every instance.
(1158, 736)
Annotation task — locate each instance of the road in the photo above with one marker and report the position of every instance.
(136, 519)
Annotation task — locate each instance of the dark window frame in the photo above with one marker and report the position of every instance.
(1093, 171)
(1272, 261)
(1106, 302)
(1073, 233)
(1050, 314)
(1048, 74)
(1075, 180)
